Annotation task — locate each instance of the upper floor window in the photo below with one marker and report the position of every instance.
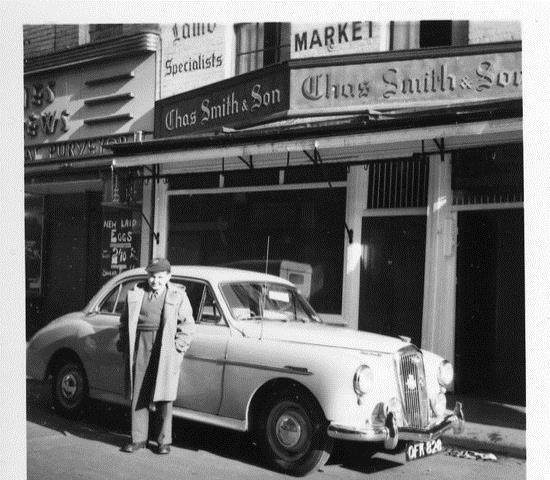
(261, 44)
(436, 33)
(427, 33)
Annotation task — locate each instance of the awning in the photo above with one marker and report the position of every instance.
(372, 134)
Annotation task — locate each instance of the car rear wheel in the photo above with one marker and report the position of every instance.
(292, 433)
(69, 388)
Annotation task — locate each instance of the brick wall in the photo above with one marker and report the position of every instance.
(105, 31)
(44, 39)
(38, 40)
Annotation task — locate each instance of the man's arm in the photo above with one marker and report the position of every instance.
(185, 325)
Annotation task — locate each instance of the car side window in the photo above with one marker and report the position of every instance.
(124, 294)
(108, 305)
(114, 302)
(205, 308)
(211, 313)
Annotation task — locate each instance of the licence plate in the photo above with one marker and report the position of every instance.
(423, 449)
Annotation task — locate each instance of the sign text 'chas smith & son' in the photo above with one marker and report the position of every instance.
(473, 77)
(217, 105)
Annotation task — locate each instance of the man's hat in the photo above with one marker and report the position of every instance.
(158, 265)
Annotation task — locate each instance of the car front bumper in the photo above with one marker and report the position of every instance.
(390, 433)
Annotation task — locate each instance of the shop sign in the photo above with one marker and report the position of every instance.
(243, 100)
(193, 55)
(67, 105)
(319, 40)
(418, 82)
(40, 95)
(121, 241)
(73, 150)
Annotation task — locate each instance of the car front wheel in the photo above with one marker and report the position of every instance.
(292, 433)
(69, 388)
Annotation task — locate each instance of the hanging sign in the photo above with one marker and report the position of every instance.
(120, 241)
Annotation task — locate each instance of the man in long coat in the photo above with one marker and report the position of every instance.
(155, 331)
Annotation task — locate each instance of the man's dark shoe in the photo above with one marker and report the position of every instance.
(163, 449)
(132, 447)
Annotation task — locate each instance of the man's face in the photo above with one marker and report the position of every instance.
(157, 281)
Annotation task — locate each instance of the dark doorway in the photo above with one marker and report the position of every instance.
(490, 305)
(72, 252)
(392, 276)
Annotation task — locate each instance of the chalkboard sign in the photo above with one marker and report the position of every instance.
(120, 241)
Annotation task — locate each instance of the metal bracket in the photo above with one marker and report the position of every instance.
(317, 161)
(441, 148)
(155, 176)
(248, 163)
(156, 235)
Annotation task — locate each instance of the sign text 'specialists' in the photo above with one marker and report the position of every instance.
(193, 55)
(242, 100)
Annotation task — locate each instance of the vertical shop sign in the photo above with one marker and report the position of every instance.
(120, 241)
(34, 226)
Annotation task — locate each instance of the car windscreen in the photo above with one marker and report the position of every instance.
(267, 301)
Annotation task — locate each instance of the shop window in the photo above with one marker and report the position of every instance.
(259, 177)
(34, 228)
(304, 228)
(488, 176)
(261, 44)
(401, 183)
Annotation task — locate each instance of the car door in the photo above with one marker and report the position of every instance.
(202, 370)
(107, 372)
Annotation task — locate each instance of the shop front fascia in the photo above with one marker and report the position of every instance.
(78, 103)
(354, 110)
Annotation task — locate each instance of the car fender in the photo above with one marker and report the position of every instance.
(70, 331)
(326, 372)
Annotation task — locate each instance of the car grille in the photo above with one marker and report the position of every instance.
(412, 383)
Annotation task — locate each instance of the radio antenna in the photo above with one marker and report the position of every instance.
(267, 253)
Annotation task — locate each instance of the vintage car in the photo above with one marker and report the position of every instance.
(263, 362)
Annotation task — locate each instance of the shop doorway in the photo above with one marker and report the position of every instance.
(72, 250)
(392, 275)
(490, 305)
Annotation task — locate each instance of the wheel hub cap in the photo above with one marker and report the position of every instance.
(288, 431)
(69, 386)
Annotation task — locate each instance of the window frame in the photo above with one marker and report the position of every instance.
(198, 315)
(252, 48)
(118, 286)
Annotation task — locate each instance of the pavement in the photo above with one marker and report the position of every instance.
(491, 427)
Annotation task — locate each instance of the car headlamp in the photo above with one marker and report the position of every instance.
(363, 380)
(445, 374)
